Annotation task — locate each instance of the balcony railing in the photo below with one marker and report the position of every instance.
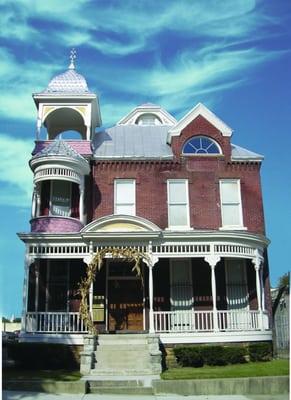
(204, 321)
(54, 322)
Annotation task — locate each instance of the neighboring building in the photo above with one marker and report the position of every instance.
(281, 313)
(179, 191)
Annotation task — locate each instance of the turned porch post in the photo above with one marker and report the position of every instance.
(87, 260)
(36, 285)
(257, 260)
(27, 262)
(212, 260)
(150, 263)
(81, 201)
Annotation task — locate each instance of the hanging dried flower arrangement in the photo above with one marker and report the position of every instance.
(127, 254)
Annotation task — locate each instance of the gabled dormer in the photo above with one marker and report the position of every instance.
(200, 133)
(67, 104)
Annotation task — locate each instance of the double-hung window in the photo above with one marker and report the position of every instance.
(178, 204)
(231, 207)
(124, 196)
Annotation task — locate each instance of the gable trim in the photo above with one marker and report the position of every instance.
(199, 109)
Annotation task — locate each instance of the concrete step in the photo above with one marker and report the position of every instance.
(122, 339)
(127, 390)
(140, 347)
(124, 372)
(116, 383)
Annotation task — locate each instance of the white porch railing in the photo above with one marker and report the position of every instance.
(203, 321)
(54, 322)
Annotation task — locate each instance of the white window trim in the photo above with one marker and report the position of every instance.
(115, 194)
(232, 227)
(178, 227)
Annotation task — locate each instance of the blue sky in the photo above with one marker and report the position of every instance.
(234, 57)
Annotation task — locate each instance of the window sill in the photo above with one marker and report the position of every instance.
(179, 228)
(233, 228)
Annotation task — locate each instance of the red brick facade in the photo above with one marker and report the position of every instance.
(203, 174)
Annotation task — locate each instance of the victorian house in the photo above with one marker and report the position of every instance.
(179, 191)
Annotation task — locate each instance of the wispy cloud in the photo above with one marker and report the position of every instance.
(18, 80)
(104, 25)
(217, 53)
(15, 175)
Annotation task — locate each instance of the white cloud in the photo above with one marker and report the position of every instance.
(134, 24)
(15, 175)
(18, 80)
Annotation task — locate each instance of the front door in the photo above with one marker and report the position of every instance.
(125, 299)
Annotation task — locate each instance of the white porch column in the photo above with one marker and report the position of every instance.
(36, 285)
(257, 260)
(33, 204)
(88, 132)
(262, 286)
(87, 260)
(212, 260)
(38, 199)
(150, 263)
(81, 200)
(27, 262)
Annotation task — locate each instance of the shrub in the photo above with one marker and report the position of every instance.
(235, 354)
(44, 355)
(214, 355)
(260, 351)
(189, 356)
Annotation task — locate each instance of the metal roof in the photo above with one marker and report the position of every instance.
(136, 142)
(68, 82)
(59, 148)
(240, 154)
(132, 142)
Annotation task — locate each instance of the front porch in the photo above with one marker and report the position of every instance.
(197, 287)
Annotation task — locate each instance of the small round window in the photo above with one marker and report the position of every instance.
(201, 145)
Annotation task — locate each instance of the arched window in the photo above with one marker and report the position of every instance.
(148, 119)
(201, 145)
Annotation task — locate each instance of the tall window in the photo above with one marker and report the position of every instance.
(178, 203)
(60, 198)
(231, 208)
(124, 196)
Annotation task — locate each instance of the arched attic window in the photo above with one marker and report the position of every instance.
(148, 119)
(201, 145)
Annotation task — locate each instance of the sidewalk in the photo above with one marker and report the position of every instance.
(13, 395)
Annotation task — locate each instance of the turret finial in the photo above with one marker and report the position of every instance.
(73, 56)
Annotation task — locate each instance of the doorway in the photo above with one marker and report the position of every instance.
(125, 294)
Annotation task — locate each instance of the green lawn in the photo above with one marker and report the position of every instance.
(26, 374)
(267, 368)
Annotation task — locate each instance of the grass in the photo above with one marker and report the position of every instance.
(27, 374)
(251, 369)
